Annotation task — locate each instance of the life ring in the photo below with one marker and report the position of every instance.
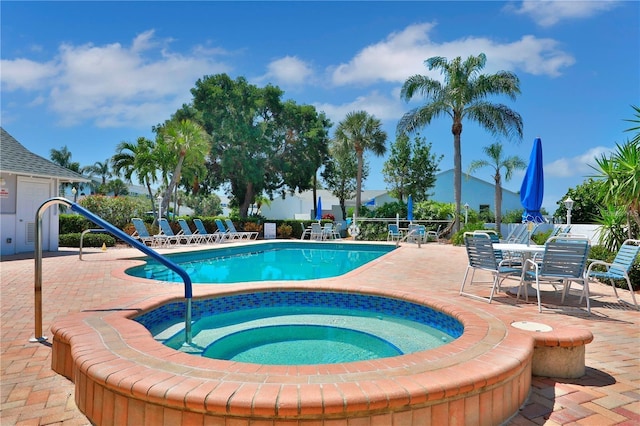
(354, 230)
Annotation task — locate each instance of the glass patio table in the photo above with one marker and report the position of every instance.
(527, 251)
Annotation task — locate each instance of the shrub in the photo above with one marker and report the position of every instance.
(73, 223)
(89, 240)
(116, 210)
(284, 231)
(252, 227)
(458, 237)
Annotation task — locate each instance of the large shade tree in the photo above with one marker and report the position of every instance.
(462, 96)
(340, 171)
(260, 144)
(362, 133)
(498, 162)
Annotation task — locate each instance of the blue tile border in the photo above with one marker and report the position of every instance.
(353, 301)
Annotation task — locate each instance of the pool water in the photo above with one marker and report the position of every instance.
(302, 328)
(265, 262)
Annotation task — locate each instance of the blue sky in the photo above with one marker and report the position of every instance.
(89, 75)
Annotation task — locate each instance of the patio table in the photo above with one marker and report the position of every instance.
(526, 250)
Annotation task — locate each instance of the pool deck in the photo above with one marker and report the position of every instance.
(32, 393)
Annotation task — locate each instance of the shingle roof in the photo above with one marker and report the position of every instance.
(15, 158)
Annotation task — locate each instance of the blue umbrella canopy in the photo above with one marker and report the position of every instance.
(410, 208)
(532, 189)
(319, 209)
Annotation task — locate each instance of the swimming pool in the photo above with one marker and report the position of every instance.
(289, 261)
(302, 327)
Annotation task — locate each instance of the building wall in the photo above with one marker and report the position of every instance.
(475, 192)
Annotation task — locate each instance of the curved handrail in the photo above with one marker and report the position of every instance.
(188, 291)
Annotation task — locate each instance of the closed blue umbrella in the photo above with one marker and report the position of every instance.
(410, 208)
(319, 209)
(532, 189)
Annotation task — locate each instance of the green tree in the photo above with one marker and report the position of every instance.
(587, 203)
(117, 187)
(620, 174)
(204, 205)
(411, 168)
(498, 162)
(259, 144)
(462, 96)
(138, 159)
(99, 168)
(190, 144)
(340, 172)
(62, 157)
(361, 132)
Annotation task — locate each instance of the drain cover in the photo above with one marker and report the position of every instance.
(531, 326)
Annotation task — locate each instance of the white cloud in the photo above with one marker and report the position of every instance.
(547, 13)
(289, 70)
(379, 105)
(24, 74)
(402, 54)
(575, 166)
(113, 85)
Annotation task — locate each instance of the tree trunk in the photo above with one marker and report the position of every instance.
(246, 203)
(457, 172)
(498, 201)
(359, 182)
(166, 200)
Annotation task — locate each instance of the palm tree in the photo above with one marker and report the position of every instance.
(137, 158)
(62, 157)
(462, 95)
(361, 132)
(101, 169)
(190, 143)
(509, 164)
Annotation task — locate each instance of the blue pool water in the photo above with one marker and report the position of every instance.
(294, 261)
(302, 327)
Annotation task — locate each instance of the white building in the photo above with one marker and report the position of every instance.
(26, 182)
(477, 193)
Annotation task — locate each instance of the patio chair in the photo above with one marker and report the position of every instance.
(142, 233)
(316, 231)
(617, 270)
(335, 233)
(167, 232)
(327, 231)
(394, 233)
(202, 231)
(186, 231)
(417, 234)
(482, 256)
(563, 262)
(248, 235)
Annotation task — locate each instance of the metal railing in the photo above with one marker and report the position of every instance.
(188, 292)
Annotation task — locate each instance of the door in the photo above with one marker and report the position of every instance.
(31, 193)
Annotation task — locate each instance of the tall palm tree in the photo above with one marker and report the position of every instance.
(191, 145)
(498, 162)
(137, 158)
(62, 157)
(99, 168)
(461, 96)
(361, 132)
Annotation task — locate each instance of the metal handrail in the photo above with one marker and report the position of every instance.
(188, 292)
(87, 231)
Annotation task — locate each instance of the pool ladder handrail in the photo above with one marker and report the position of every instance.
(188, 291)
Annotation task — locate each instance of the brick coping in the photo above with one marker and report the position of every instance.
(113, 352)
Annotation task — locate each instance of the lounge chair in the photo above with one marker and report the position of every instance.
(167, 232)
(563, 262)
(249, 235)
(202, 231)
(617, 270)
(186, 231)
(417, 234)
(482, 256)
(142, 234)
(327, 231)
(225, 234)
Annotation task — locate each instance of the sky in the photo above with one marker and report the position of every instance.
(88, 75)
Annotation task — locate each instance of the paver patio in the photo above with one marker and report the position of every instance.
(32, 394)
